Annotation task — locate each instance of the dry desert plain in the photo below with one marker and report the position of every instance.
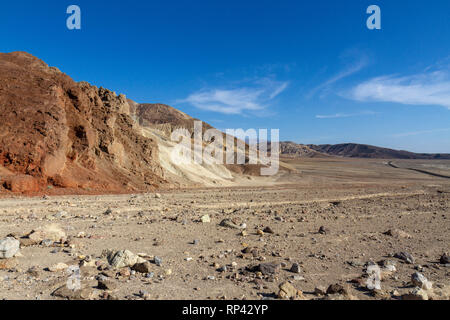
(185, 253)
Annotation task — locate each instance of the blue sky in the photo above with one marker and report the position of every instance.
(310, 68)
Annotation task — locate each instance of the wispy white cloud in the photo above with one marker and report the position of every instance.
(416, 133)
(427, 88)
(346, 115)
(351, 69)
(250, 97)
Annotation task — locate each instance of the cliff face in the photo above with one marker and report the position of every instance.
(56, 132)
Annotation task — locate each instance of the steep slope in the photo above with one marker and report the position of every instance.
(56, 132)
(158, 121)
(354, 150)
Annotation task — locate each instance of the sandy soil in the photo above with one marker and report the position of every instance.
(356, 201)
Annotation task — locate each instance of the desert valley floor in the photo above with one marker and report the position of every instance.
(193, 253)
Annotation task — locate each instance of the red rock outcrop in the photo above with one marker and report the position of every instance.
(56, 132)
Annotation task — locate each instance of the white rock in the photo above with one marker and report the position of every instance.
(205, 219)
(420, 281)
(9, 247)
(58, 267)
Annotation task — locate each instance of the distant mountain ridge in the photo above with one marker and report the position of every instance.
(354, 150)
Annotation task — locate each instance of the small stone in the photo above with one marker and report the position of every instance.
(168, 272)
(108, 212)
(295, 268)
(419, 280)
(381, 294)
(157, 261)
(266, 268)
(34, 272)
(336, 288)
(143, 267)
(205, 219)
(416, 294)
(66, 293)
(106, 285)
(58, 267)
(320, 291)
(268, 230)
(397, 233)
(405, 256)
(144, 295)
(157, 196)
(125, 272)
(230, 224)
(288, 291)
(60, 214)
(9, 247)
(445, 259)
(50, 232)
(47, 242)
(323, 230)
(123, 258)
(259, 232)
(7, 264)
(223, 269)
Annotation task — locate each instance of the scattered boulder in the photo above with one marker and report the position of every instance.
(445, 258)
(227, 223)
(397, 233)
(419, 280)
(34, 272)
(66, 293)
(144, 267)
(9, 247)
(336, 288)
(320, 291)
(58, 267)
(295, 268)
(123, 258)
(323, 230)
(158, 261)
(288, 291)
(105, 284)
(416, 294)
(265, 268)
(405, 256)
(50, 232)
(388, 269)
(374, 280)
(268, 230)
(205, 219)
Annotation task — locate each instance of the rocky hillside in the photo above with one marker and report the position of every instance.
(158, 121)
(59, 133)
(366, 151)
(294, 150)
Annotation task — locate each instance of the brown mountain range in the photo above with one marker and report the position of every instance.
(354, 150)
